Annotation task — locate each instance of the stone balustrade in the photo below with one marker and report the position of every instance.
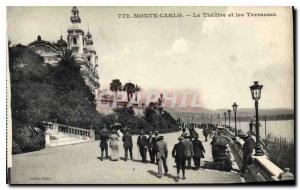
(262, 169)
(73, 131)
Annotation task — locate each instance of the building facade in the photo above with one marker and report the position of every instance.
(81, 46)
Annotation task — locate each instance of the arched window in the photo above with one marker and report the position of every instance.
(74, 41)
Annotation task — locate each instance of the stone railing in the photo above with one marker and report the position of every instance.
(262, 168)
(56, 128)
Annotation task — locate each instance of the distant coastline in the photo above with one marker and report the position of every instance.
(244, 114)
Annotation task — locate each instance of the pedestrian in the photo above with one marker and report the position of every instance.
(199, 151)
(184, 133)
(188, 151)
(154, 145)
(193, 132)
(127, 144)
(142, 143)
(138, 142)
(247, 151)
(206, 132)
(215, 148)
(103, 143)
(114, 146)
(151, 147)
(179, 154)
(162, 154)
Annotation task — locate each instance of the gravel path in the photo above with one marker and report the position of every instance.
(80, 164)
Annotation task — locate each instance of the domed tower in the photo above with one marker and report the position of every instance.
(76, 39)
(92, 56)
(91, 53)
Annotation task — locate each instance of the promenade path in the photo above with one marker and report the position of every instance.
(80, 164)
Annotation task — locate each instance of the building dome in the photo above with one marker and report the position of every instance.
(61, 42)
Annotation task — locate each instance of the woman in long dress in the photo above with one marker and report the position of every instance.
(114, 146)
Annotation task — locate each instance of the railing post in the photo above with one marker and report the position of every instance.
(92, 134)
(55, 127)
(286, 175)
(47, 139)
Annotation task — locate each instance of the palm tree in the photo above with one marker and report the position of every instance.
(67, 57)
(130, 89)
(115, 86)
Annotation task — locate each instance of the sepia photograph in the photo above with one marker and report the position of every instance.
(150, 95)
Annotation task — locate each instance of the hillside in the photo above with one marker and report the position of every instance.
(41, 92)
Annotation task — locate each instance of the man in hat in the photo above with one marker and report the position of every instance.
(214, 148)
(103, 143)
(154, 145)
(206, 132)
(151, 147)
(162, 154)
(179, 154)
(127, 144)
(189, 153)
(247, 151)
(198, 150)
(142, 144)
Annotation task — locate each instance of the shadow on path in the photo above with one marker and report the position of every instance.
(168, 175)
(105, 158)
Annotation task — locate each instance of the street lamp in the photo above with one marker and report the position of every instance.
(234, 108)
(256, 93)
(219, 119)
(225, 118)
(229, 112)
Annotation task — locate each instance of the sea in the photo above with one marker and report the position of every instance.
(276, 128)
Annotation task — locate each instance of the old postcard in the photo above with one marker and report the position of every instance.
(150, 95)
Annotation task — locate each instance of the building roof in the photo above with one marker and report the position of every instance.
(61, 42)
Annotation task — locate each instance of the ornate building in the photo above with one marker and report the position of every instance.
(80, 45)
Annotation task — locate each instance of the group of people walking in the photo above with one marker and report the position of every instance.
(187, 149)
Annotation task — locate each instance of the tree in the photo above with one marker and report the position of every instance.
(116, 86)
(41, 92)
(130, 89)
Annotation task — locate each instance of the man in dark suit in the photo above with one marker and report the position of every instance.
(103, 143)
(127, 144)
(142, 143)
(247, 151)
(154, 145)
(179, 154)
(151, 147)
(198, 150)
(206, 132)
(188, 150)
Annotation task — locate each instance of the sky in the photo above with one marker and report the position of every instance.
(218, 58)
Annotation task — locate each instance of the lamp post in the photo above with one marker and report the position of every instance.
(225, 118)
(229, 112)
(256, 93)
(219, 119)
(234, 108)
